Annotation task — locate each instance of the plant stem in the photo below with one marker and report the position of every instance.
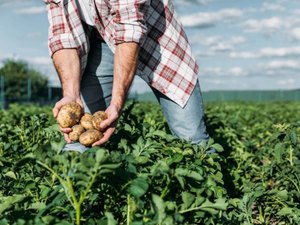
(78, 213)
(291, 155)
(128, 210)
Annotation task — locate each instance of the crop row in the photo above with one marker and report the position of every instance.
(145, 176)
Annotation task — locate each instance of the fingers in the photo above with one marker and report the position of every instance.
(106, 137)
(64, 101)
(106, 123)
(67, 139)
(56, 109)
(80, 103)
(65, 130)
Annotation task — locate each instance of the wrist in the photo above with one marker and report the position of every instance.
(71, 94)
(117, 105)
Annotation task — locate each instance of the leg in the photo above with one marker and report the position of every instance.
(96, 83)
(188, 122)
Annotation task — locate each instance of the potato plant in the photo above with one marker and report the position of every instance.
(145, 176)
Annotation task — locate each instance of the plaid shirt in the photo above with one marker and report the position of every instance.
(165, 58)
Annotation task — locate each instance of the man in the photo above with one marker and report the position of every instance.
(97, 47)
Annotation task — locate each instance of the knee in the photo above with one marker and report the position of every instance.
(193, 134)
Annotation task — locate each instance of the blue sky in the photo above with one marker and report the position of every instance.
(239, 44)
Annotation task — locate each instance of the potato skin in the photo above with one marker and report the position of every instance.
(98, 117)
(86, 121)
(89, 137)
(69, 115)
(77, 130)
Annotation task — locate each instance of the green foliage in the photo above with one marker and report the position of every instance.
(144, 176)
(262, 164)
(16, 75)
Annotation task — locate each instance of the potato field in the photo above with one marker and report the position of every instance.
(144, 176)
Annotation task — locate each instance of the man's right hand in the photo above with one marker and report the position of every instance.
(65, 100)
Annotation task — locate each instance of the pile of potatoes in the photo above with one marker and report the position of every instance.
(85, 127)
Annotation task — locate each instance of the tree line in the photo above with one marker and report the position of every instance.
(18, 80)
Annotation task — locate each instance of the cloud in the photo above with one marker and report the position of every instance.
(9, 3)
(268, 26)
(31, 10)
(267, 52)
(296, 12)
(223, 45)
(295, 34)
(287, 82)
(272, 7)
(189, 2)
(264, 26)
(283, 65)
(218, 71)
(237, 71)
(216, 43)
(211, 18)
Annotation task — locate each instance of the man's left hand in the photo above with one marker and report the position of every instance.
(108, 126)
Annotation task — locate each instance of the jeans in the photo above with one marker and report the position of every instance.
(96, 90)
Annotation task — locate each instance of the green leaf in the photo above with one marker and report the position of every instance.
(213, 208)
(293, 137)
(283, 195)
(138, 187)
(110, 219)
(100, 155)
(218, 147)
(159, 133)
(142, 159)
(177, 158)
(188, 199)
(278, 151)
(8, 202)
(159, 168)
(159, 204)
(11, 174)
(286, 211)
(194, 175)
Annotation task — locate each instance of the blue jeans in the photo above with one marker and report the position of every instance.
(96, 90)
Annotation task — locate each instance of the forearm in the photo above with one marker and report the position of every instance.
(125, 64)
(67, 65)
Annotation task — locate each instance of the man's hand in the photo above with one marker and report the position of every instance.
(57, 107)
(125, 63)
(108, 126)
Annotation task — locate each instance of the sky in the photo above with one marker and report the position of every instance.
(239, 44)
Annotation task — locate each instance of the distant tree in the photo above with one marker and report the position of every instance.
(16, 74)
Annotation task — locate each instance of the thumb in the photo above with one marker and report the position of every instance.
(106, 123)
(56, 108)
(79, 102)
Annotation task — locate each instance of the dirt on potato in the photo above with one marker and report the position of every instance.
(98, 117)
(69, 115)
(86, 121)
(77, 130)
(89, 137)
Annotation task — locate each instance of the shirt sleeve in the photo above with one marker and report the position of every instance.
(59, 34)
(129, 17)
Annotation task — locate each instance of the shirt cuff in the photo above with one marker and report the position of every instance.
(61, 41)
(129, 33)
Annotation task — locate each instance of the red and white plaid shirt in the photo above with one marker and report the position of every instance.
(165, 59)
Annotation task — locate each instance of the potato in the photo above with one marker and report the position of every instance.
(77, 130)
(69, 115)
(89, 137)
(98, 117)
(86, 121)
